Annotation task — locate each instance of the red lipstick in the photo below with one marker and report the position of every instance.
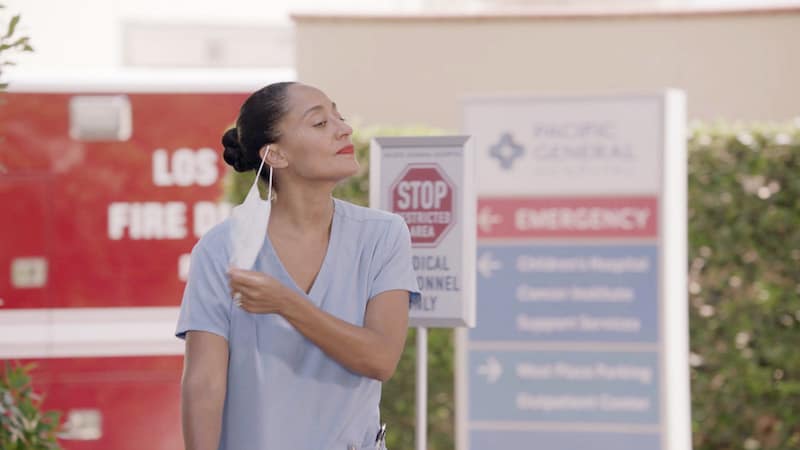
(349, 150)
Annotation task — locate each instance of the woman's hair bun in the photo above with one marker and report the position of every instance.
(234, 154)
(256, 126)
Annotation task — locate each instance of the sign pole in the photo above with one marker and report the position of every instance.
(422, 388)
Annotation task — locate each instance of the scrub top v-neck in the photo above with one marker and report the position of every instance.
(317, 290)
(283, 391)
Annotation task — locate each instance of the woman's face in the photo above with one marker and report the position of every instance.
(315, 140)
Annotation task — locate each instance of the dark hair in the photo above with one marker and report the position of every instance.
(256, 126)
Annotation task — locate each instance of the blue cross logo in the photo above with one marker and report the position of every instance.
(506, 151)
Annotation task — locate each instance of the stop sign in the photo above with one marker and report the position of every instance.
(423, 196)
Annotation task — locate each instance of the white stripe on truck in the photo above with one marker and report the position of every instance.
(85, 332)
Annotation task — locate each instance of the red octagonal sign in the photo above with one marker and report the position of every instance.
(423, 196)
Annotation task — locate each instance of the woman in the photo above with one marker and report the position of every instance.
(297, 360)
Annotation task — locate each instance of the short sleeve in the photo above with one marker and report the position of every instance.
(393, 268)
(206, 304)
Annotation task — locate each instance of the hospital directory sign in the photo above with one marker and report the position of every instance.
(581, 338)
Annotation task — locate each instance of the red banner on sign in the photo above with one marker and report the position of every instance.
(541, 217)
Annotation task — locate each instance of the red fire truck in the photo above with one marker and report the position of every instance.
(106, 183)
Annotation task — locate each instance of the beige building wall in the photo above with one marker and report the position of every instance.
(734, 64)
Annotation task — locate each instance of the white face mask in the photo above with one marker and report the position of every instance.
(249, 223)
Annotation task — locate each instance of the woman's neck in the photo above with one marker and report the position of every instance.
(308, 211)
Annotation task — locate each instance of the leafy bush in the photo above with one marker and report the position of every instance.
(23, 426)
(744, 269)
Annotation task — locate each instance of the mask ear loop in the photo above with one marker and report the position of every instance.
(269, 194)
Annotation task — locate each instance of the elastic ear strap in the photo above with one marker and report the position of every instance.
(261, 166)
(269, 195)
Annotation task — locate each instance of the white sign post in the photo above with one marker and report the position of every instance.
(429, 181)
(583, 334)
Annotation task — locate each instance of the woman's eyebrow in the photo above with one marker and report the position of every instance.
(316, 107)
(313, 108)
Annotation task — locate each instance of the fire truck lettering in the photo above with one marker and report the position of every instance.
(161, 169)
(185, 167)
(149, 220)
(206, 170)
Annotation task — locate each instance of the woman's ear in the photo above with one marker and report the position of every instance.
(275, 157)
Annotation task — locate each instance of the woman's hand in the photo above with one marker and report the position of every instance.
(256, 292)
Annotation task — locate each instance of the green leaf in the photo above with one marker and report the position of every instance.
(12, 26)
(20, 42)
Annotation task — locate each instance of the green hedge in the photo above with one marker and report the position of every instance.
(744, 264)
(744, 271)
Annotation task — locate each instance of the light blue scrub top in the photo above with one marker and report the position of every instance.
(283, 391)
